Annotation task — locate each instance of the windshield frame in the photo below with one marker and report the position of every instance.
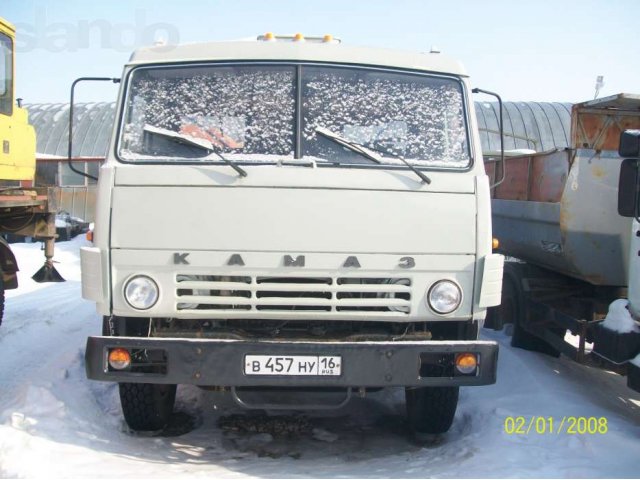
(297, 147)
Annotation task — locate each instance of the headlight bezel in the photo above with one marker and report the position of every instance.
(443, 281)
(127, 295)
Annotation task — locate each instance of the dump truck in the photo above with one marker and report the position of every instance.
(293, 221)
(24, 209)
(570, 255)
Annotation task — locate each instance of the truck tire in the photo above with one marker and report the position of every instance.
(511, 300)
(431, 409)
(146, 406)
(513, 305)
(526, 341)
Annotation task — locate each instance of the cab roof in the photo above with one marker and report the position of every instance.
(296, 51)
(7, 26)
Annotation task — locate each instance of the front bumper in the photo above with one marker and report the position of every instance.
(217, 362)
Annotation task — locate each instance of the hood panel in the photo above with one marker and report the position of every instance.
(292, 220)
(261, 175)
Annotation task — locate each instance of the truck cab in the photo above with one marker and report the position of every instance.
(17, 137)
(292, 213)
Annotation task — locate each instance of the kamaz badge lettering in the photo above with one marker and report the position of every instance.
(351, 262)
(289, 261)
(407, 262)
(180, 259)
(236, 259)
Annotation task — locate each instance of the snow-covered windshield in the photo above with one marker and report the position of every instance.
(249, 113)
(239, 109)
(416, 116)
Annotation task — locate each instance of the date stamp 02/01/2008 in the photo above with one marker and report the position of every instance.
(539, 425)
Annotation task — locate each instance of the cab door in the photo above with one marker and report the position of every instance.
(17, 137)
(7, 160)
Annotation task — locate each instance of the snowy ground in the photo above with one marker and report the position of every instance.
(55, 423)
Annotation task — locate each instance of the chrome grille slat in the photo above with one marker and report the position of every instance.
(215, 285)
(356, 302)
(290, 287)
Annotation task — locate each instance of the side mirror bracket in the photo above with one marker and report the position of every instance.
(70, 144)
(502, 163)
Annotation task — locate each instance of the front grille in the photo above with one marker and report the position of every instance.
(196, 293)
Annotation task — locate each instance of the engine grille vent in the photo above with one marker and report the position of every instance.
(284, 294)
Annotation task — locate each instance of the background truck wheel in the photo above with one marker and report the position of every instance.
(431, 409)
(512, 309)
(499, 316)
(147, 406)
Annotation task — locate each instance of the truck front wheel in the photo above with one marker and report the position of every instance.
(147, 406)
(431, 409)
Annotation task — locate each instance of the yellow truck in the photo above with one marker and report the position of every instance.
(18, 154)
(24, 209)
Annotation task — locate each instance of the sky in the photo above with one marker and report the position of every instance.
(542, 50)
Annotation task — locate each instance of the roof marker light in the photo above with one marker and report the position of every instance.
(298, 37)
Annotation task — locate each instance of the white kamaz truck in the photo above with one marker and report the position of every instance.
(292, 215)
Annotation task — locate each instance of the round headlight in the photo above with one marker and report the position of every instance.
(444, 297)
(141, 292)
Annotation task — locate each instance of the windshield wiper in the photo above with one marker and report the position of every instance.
(422, 176)
(372, 154)
(348, 144)
(199, 143)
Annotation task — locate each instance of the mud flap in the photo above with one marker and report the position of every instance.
(633, 377)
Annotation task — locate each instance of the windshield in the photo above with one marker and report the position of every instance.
(239, 109)
(251, 113)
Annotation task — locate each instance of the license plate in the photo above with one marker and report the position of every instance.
(293, 365)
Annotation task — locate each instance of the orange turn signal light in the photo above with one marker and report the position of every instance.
(119, 358)
(495, 243)
(90, 235)
(466, 362)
